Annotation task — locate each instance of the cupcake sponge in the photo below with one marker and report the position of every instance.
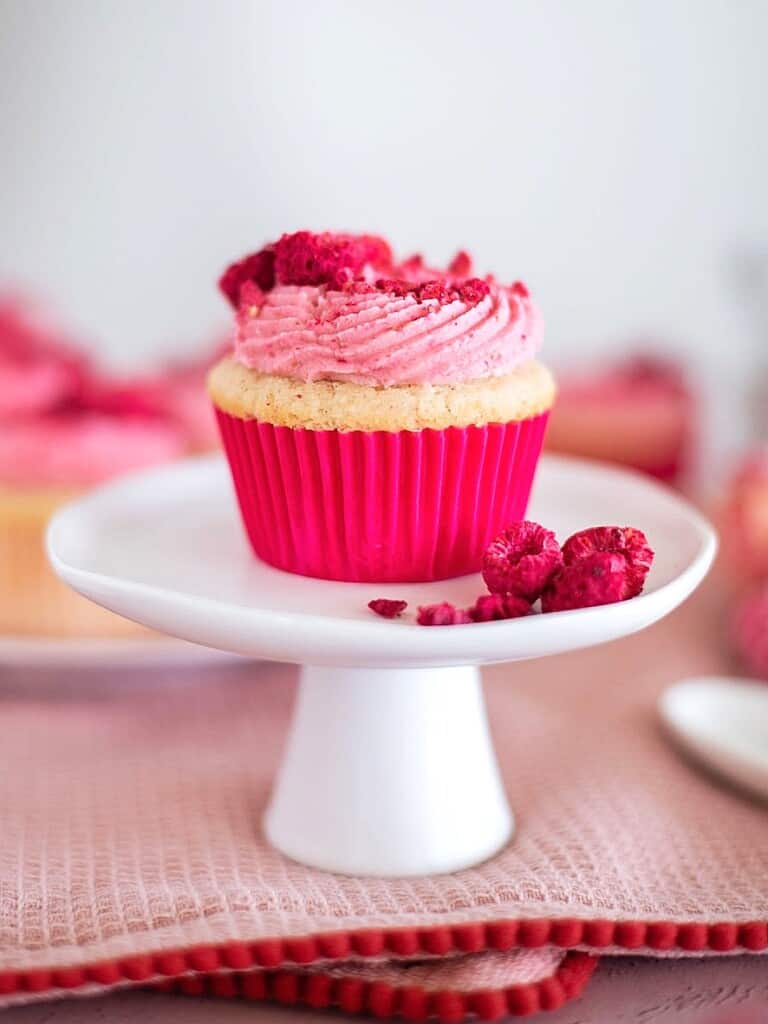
(339, 405)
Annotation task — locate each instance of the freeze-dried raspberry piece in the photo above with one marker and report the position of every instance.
(387, 608)
(599, 578)
(461, 264)
(489, 607)
(620, 540)
(413, 265)
(441, 290)
(521, 561)
(258, 268)
(443, 614)
(750, 632)
(474, 290)
(376, 250)
(305, 258)
(358, 287)
(435, 290)
(395, 286)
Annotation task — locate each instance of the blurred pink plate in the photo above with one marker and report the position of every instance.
(44, 652)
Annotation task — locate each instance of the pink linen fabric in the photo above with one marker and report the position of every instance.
(130, 816)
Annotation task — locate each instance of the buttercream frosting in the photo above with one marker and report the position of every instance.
(386, 325)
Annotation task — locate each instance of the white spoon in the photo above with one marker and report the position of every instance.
(723, 723)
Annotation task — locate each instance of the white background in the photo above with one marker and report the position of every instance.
(613, 153)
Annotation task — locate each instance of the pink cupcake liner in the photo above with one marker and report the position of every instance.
(380, 506)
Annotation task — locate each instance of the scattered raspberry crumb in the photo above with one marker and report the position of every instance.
(471, 292)
(597, 578)
(387, 608)
(632, 544)
(395, 286)
(461, 264)
(521, 561)
(489, 607)
(258, 268)
(443, 614)
(750, 632)
(435, 290)
(359, 287)
(474, 290)
(520, 289)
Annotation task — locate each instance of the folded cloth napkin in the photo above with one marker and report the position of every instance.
(131, 849)
(489, 985)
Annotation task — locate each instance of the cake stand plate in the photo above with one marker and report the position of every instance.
(389, 767)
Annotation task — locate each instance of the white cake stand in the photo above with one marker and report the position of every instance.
(389, 768)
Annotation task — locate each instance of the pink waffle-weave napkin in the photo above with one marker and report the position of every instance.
(131, 851)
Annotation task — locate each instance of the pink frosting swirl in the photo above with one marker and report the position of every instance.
(373, 335)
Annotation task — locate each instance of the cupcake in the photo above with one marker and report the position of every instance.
(175, 392)
(63, 428)
(185, 401)
(382, 420)
(639, 412)
(742, 517)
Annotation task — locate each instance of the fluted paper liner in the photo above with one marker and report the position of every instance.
(380, 506)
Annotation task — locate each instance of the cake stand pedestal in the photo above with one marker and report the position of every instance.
(397, 767)
(389, 767)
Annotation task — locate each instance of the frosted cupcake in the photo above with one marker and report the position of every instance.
(176, 392)
(382, 420)
(62, 430)
(638, 412)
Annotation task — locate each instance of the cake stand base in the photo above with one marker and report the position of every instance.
(389, 772)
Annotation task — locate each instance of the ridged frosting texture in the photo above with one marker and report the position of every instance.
(338, 307)
(376, 337)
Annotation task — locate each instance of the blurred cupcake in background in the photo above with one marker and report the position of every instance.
(64, 427)
(749, 632)
(639, 412)
(184, 398)
(175, 392)
(39, 368)
(742, 519)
